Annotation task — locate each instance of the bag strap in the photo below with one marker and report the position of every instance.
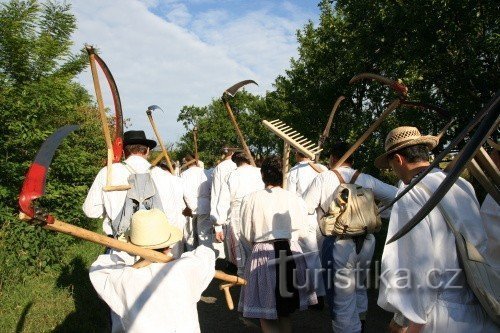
(355, 177)
(339, 176)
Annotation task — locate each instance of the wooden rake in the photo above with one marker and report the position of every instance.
(294, 139)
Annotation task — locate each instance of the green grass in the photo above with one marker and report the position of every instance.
(57, 301)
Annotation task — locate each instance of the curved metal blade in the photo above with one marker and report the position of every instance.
(154, 107)
(231, 91)
(34, 181)
(397, 86)
(489, 122)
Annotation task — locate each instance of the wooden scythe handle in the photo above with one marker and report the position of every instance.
(157, 159)
(163, 148)
(195, 140)
(315, 167)
(394, 104)
(238, 131)
(286, 163)
(105, 128)
(147, 254)
(478, 173)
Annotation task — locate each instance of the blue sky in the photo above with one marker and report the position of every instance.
(174, 53)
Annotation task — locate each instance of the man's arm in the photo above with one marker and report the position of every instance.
(93, 206)
(312, 196)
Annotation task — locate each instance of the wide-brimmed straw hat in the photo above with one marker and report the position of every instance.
(150, 229)
(402, 137)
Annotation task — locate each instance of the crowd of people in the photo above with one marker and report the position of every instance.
(266, 231)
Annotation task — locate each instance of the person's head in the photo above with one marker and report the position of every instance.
(240, 158)
(189, 160)
(406, 152)
(271, 171)
(227, 151)
(337, 150)
(299, 157)
(150, 229)
(136, 143)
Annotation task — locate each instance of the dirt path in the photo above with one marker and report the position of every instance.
(214, 316)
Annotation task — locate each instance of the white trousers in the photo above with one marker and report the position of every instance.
(346, 284)
(199, 231)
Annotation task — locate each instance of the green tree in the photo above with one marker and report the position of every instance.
(445, 51)
(37, 95)
(215, 129)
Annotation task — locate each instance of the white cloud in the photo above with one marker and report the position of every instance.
(184, 57)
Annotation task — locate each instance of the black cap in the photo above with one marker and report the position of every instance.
(137, 138)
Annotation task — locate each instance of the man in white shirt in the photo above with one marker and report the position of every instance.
(240, 182)
(347, 259)
(197, 185)
(158, 297)
(421, 279)
(109, 205)
(300, 177)
(219, 178)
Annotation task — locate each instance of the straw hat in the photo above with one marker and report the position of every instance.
(150, 229)
(402, 137)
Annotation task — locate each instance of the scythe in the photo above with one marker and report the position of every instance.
(104, 120)
(34, 188)
(230, 92)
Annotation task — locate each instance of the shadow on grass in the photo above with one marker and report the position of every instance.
(22, 319)
(91, 313)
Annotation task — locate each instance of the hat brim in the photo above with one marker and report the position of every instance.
(175, 235)
(146, 142)
(431, 141)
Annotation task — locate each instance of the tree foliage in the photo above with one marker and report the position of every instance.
(38, 95)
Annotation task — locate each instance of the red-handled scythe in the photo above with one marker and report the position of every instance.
(34, 188)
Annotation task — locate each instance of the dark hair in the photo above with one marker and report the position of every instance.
(135, 149)
(189, 157)
(239, 158)
(338, 149)
(412, 154)
(271, 171)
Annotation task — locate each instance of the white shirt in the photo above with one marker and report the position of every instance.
(158, 297)
(320, 192)
(219, 177)
(428, 254)
(490, 214)
(272, 214)
(109, 204)
(240, 182)
(197, 185)
(301, 176)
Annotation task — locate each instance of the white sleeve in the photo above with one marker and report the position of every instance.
(93, 206)
(102, 272)
(291, 184)
(384, 193)
(223, 203)
(246, 216)
(312, 195)
(406, 265)
(199, 267)
(214, 194)
(189, 198)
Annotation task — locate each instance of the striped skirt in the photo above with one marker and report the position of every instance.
(271, 292)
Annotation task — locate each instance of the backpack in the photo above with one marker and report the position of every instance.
(353, 211)
(482, 279)
(142, 195)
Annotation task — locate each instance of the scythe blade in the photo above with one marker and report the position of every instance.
(231, 91)
(397, 86)
(34, 182)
